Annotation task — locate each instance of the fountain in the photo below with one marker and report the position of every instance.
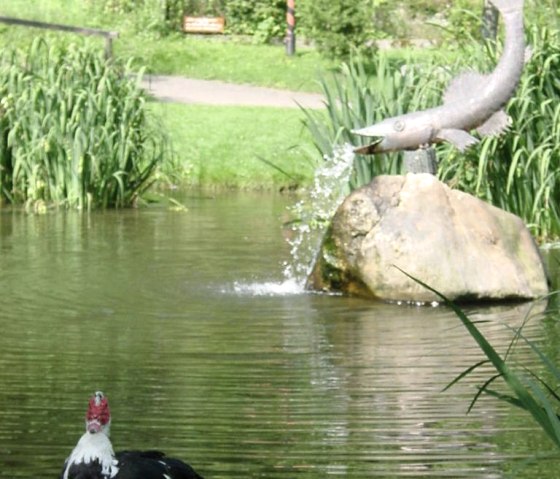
(462, 246)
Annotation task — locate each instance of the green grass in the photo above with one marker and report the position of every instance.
(229, 147)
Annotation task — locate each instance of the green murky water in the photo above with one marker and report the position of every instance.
(182, 319)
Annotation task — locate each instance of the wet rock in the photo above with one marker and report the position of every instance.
(461, 246)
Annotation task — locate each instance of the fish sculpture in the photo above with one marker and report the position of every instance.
(472, 101)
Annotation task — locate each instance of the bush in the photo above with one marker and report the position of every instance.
(340, 27)
(73, 130)
(262, 19)
(157, 16)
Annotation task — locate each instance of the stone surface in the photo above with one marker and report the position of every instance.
(459, 245)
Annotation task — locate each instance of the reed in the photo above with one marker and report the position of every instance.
(528, 390)
(73, 129)
(519, 171)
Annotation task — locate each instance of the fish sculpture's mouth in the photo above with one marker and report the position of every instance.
(370, 149)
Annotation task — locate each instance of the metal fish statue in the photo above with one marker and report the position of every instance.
(472, 101)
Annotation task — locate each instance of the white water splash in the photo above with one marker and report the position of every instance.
(289, 287)
(313, 213)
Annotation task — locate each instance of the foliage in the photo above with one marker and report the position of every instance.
(463, 22)
(204, 7)
(73, 130)
(519, 171)
(263, 19)
(341, 27)
(153, 16)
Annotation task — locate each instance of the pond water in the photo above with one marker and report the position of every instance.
(183, 320)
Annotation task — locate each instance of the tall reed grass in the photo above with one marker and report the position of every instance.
(73, 129)
(536, 393)
(519, 171)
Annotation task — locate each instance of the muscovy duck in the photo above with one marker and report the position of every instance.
(94, 458)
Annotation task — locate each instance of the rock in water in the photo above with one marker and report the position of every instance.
(458, 244)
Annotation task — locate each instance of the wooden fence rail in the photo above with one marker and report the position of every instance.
(109, 36)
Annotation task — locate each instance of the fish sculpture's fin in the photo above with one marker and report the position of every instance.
(464, 86)
(497, 124)
(458, 138)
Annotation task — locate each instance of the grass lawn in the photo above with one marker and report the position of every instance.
(224, 147)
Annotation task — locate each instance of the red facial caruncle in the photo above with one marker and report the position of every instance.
(98, 415)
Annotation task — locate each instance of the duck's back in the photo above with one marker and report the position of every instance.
(152, 465)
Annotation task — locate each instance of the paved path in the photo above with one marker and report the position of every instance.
(212, 92)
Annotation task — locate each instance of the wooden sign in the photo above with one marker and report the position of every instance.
(203, 24)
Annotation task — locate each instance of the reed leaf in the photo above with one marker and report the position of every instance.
(526, 393)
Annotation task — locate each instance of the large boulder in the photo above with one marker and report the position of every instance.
(459, 245)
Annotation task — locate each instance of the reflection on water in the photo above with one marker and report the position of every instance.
(185, 321)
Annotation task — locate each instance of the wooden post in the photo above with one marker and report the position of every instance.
(420, 161)
(108, 47)
(291, 33)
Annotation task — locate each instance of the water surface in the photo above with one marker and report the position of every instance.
(183, 319)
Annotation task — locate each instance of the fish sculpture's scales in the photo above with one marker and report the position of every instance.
(472, 101)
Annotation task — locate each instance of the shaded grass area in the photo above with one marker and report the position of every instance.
(234, 147)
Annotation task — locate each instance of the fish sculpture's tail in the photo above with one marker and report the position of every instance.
(508, 6)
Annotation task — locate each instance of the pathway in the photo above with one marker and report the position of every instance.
(213, 92)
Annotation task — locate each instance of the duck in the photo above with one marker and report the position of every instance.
(94, 457)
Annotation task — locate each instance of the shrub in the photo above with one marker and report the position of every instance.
(340, 27)
(143, 16)
(263, 19)
(73, 129)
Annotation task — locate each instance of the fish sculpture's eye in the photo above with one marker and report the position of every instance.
(399, 125)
